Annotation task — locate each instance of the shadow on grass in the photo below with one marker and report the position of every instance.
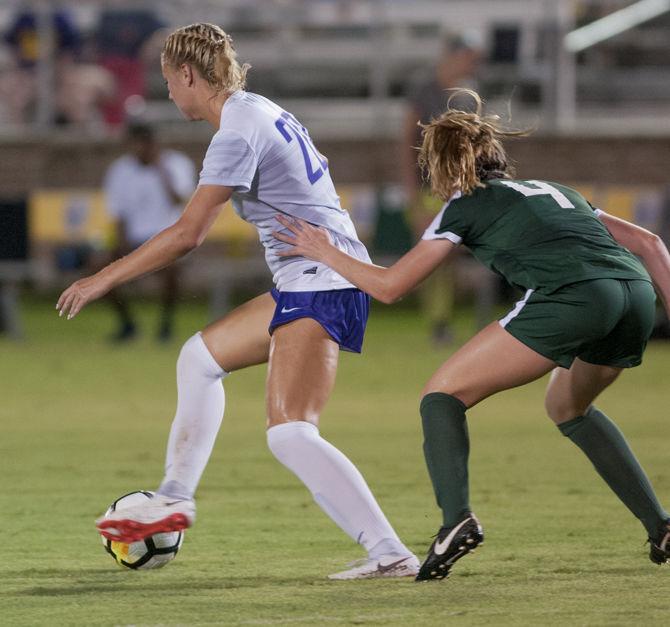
(100, 581)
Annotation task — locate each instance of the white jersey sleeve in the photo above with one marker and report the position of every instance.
(229, 161)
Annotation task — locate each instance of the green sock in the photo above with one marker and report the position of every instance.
(446, 448)
(606, 447)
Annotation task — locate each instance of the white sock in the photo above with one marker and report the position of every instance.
(200, 405)
(335, 483)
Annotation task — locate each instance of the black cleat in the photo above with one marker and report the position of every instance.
(659, 547)
(451, 543)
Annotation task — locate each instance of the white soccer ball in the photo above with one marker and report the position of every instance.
(152, 552)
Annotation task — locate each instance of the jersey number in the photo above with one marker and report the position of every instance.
(540, 188)
(290, 128)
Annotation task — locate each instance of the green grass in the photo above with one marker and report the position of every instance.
(83, 422)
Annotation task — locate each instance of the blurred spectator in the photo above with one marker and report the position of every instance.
(145, 191)
(456, 67)
(121, 36)
(80, 87)
(83, 89)
(23, 37)
(19, 90)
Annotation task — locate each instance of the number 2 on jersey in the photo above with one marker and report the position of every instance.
(289, 127)
(540, 188)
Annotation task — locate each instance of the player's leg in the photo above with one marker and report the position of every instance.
(491, 361)
(238, 340)
(127, 329)
(301, 375)
(169, 277)
(569, 399)
(437, 301)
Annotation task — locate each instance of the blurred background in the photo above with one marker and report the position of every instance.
(591, 76)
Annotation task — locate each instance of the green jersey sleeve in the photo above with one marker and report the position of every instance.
(450, 223)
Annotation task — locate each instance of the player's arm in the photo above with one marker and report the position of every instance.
(161, 250)
(385, 284)
(648, 246)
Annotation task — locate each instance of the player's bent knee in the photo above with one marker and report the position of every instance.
(283, 438)
(195, 357)
(274, 420)
(460, 395)
(560, 411)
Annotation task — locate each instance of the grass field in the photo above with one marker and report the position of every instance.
(83, 422)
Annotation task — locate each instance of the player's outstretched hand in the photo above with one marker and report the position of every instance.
(307, 240)
(79, 294)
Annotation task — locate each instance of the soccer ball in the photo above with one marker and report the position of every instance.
(152, 552)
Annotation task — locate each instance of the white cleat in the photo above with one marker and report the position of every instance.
(161, 514)
(391, 565)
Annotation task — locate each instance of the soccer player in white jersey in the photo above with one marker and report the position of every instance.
(262, 158)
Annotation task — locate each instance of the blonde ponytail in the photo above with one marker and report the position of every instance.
(462, 149)
(210, 50)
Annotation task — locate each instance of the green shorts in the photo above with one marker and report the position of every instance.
(605, 322)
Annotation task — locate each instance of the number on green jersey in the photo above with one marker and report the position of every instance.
(540, 188)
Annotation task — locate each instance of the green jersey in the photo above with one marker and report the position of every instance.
(538, 235)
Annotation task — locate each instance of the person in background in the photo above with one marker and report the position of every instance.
(23, 40)
(144, 192)
(457, 67)
(122, 34)
(23, 37)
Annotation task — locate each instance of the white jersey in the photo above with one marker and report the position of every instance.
(136, 193)
(267, 157)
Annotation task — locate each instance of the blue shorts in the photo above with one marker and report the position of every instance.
(342, 313)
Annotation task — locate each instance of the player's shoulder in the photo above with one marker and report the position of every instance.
(485, 194)
(248, 117)
(245, 109)
(505, 185)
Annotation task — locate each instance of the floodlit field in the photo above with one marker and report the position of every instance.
(83, 422)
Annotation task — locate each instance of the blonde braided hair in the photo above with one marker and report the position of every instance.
(460, 149)
(209, 49)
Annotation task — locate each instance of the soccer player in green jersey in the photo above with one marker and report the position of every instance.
(587, 313)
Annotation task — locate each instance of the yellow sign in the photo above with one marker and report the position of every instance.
(78, 215)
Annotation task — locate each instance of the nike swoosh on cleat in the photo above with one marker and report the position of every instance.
(441, 547)
(385, 568)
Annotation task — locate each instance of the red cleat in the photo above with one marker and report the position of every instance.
(161, 514)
